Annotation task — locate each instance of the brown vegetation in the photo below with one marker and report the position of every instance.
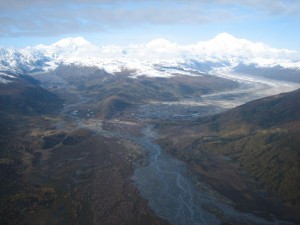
(67, 176)
(261, 137)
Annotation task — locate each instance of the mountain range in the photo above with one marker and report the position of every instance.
(159, 58)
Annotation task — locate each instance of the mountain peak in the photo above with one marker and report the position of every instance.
(224, 37)
(70, 42)
(160, 43)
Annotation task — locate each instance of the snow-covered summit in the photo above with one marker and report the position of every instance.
(68, 47)
(66, 44)
(71, 42)
(227, 47)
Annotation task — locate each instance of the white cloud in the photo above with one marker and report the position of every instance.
(45, 17)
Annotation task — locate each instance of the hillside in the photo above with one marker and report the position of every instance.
(265, 113)
(261, 137)
(23, 94)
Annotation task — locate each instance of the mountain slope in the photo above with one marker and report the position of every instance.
(262, 136)
(23, 95)
(264, 113)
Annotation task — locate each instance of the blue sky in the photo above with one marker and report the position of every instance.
(122, 22)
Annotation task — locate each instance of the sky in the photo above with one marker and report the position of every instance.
(123, 22)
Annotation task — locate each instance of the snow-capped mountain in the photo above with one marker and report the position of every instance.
(23, 60)
(159, 57)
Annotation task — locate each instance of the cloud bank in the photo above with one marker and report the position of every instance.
(56, 17)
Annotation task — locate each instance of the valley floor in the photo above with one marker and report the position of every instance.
(76, 167)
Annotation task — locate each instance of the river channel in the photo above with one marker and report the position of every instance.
(173, 196)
